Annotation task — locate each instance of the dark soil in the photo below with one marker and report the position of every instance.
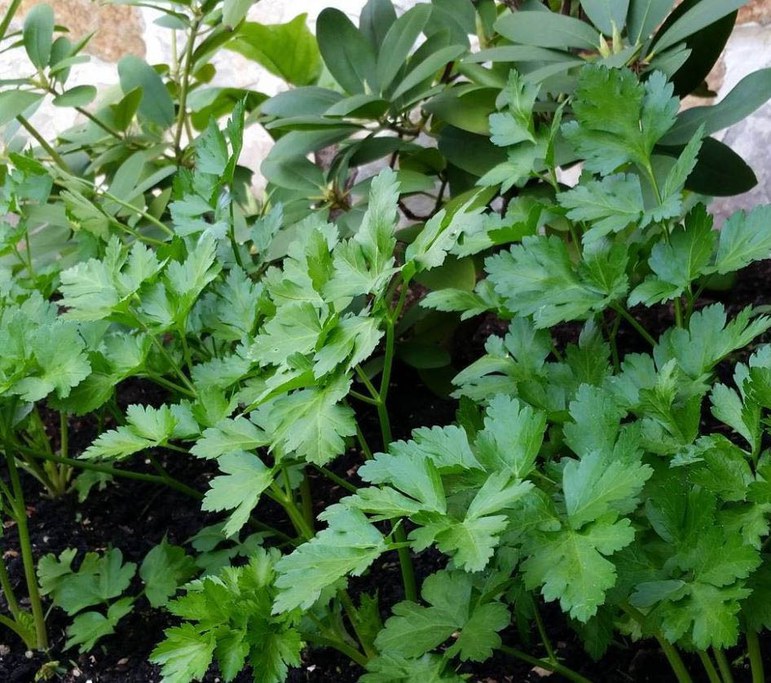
(134, 516)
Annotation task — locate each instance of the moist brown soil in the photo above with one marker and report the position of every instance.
(134, 516)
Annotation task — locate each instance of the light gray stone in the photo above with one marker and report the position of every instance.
(748, 50)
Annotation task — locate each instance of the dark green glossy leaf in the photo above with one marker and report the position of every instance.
(472, 153)
(301, 102)
(359, 106)
(705, 46)
(304, 123)
(38, 33)
(427, 68)
(454, 272)
(547, 30)
(370, 149)
(15, 102)
(457, 17)
(411, 182)
(644, 16)
(79, 96)
(234, 11)
(376, 18)
(61, 49)
(704, 13)
(124, 111)
(750, 93)
(606, 14)
(301, 142)
(268, 46)
(466, 107)
(294, 174)
(670, 61)
(719, 172)
(156, 105)
(517, 53)
(348, 55)
(215, 103)
(423, 356)
(399, 42)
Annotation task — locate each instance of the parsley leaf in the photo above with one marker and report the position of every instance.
(744, 238)
(678, 262)
(228, 617)
(348, 545)
(537, 278)
(310, 424)
(618, 118)
(609, 204)
(244, 478)
(415, 630)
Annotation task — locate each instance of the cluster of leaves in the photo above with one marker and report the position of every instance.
(577, 473)
(387, 99)
(574, 473)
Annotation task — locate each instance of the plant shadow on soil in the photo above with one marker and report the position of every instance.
(134, 516)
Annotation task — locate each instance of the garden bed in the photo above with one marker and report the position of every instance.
(135, 516)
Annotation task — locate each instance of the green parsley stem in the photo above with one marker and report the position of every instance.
(633, 322)
(393, 317)
(185, 347)
(353, 618)
(7, 588)
(55, 156)
(276, 494)
(167, 384)
(362, 398)
(8, 17)
(64, 432)
(167, 480)
(405, 560)
(678, 312)
(675, 661)
(613, 346)
(25, 545)
(405, 564)
(134, 233)
(112, 198)
(18, 630)
(342, 483)
(756, 657)
(655, 185)
(306, 498)
(670, 651)
(172, 362)
(4, 490)
(33, 468)
(556, 667)
(184, 84)
(28, 253)
(368, 384)
(363, 443)
(723, 665)
(709, 667)
(324, 641)
(544, 636)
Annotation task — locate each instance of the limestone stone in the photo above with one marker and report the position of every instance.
(757, 11)
(118, 30)
(748, 50)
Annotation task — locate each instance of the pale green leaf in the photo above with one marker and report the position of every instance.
(244, 479)
(347, 546)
